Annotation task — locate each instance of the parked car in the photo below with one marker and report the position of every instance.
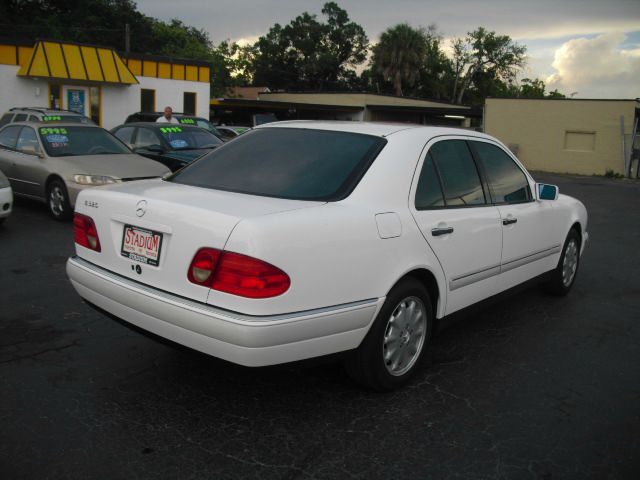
(45, 115)
(183, 119)
(172, 145)
(229, 132)
(6, 198)
(302, 239)
(54, 163)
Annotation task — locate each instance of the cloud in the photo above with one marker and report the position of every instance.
(596, 68)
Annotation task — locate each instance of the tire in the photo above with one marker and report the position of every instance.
(564, 275)
(394, 347)
(58, 201)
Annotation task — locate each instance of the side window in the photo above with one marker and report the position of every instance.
(429, 191)
(146, 137)
(460, 179)
(21, 117)
(6, 118)
(28, 142)
(32, 118)
(507, 182)
(124, 134)
(9, 137)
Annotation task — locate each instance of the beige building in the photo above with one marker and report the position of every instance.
(566, 136)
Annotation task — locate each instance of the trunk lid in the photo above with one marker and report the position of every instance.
(187, 218)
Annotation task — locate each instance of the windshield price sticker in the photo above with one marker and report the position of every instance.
(53, 131)
(190, 121)
(167, 130)
(57, 141)
(179, 143)
(141, 245)
(51, 118)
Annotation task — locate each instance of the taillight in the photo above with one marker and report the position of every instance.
(237, 274)
(85, 232)
(203, 265)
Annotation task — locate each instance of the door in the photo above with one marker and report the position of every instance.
(8, 154)
(529, 245)
(29, 168)
(458, 222)
(76, 99)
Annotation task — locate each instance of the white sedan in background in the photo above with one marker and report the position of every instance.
(302, 239)
(6, 198)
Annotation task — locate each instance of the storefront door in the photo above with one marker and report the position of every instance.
(76, 99)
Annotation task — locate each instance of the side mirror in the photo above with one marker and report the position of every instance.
(544, 191)
(155, 148)
(31, 150)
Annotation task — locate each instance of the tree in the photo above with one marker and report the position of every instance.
(400, 54)
(483, 51)
(308, 54)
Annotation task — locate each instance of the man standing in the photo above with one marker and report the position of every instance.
(167, 117)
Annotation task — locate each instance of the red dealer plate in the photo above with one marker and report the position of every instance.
(141, 245)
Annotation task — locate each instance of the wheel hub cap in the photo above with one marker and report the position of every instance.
(570, 263)
(404, 336)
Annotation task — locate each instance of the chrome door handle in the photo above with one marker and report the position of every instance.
(509, 221)
(436, 232)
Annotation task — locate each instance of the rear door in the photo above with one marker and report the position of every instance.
(8, 155)
(452, 208)
(29, 168)
(529, 242)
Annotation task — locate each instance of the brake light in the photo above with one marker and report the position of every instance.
(237, 274)
(85, 232)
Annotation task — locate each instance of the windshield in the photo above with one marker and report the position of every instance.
(66, 118)
(297, 164)
(73, 141)
(181, 138)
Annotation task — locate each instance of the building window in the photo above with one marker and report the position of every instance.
(54, 96)
(580, 141)
(94, 95)
(189, 103)
(147, 100)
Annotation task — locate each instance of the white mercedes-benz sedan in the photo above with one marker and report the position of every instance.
(303, 239)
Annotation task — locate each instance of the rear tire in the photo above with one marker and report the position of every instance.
(564, 275)
(58, 201)
(394, 347)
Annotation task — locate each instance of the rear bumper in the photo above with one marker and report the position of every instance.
(243, 339)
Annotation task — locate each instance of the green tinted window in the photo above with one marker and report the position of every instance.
(508, 184)
(460, 178)
(429, 192)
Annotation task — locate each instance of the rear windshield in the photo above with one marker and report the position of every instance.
(297, 164)
(66, 118)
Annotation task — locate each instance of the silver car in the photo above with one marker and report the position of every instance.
(53, 163)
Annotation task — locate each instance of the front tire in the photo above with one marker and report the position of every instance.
(58, 200)
(395, 345)
(564, 275)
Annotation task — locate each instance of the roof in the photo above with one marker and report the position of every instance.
(157, 124)
(379, 129)
(74, 61)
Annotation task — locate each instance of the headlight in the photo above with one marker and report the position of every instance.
(4, 183)
(93, 179)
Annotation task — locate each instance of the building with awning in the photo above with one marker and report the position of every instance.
(354, 106)
(99, 81)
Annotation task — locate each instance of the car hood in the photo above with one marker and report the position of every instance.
(116, 166)
(187, 156)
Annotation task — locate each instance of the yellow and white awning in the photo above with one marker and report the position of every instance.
(72, 61)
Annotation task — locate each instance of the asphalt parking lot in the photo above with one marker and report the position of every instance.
(532, 387)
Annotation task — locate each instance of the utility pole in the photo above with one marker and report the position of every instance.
(127, 38)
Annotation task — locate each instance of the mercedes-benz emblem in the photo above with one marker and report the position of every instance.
(141, 208)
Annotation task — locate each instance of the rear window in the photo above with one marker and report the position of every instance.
(297, 164)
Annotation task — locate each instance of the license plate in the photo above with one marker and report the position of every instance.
(141, 245)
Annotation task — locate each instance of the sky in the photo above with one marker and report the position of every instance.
(588, 48)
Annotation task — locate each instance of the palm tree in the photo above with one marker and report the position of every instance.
(400, 54)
